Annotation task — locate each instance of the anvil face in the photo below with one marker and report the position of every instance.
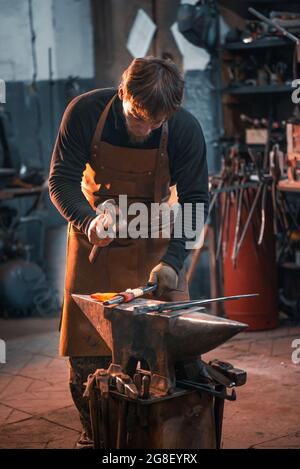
(158, 339)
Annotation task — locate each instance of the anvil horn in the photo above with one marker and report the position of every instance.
(195, 333)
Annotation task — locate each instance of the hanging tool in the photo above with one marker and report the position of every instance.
(189, 384)
(263, 214)
(196, 252)
(177, 305)
(238, 220)
(225, 209)
(243, 234)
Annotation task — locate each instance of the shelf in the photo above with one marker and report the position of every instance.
(249, 89)
(259, 43)
(265, 2)
(290, 266)
(12, 192)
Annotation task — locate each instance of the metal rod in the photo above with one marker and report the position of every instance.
(185, 383)
(234, 187)
(274, 25)
(221, 228)
(238, 247)
(263, 215)
(173, 306)
(238, 221)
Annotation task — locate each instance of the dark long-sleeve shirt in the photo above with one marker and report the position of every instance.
(186, 150)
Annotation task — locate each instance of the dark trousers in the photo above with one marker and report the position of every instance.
(80, 368)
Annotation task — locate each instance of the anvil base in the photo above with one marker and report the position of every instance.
(185, 419)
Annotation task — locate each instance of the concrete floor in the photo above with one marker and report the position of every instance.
(36, 410)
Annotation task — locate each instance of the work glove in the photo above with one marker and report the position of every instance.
(165, 277)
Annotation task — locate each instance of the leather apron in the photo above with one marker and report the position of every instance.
(144, 176)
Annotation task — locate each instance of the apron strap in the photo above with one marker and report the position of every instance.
(100, 125)
(162, 160)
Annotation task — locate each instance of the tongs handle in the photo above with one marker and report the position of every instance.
(127, 296)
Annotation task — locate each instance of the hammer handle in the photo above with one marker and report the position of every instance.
(94, 254)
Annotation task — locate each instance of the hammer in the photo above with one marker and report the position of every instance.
(105, 207)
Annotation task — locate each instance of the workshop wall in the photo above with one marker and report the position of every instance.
(36, 110)
(36, 96)
(70, 41)
(90, 46)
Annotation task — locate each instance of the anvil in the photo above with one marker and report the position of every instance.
(156, 339)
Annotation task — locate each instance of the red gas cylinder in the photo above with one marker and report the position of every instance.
(255, 270)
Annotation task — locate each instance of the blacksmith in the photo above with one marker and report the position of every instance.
(136, 140)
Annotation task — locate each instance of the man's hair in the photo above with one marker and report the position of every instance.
(153, 86)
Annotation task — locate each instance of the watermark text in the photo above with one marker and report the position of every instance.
(154, 220)
(2, 351)
(2, 92)
(296, 352)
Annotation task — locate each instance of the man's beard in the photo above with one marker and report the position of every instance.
(136, 139)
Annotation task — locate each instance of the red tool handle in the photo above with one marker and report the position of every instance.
(126, 296)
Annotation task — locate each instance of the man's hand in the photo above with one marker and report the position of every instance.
(100, 224)
(165, 277)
